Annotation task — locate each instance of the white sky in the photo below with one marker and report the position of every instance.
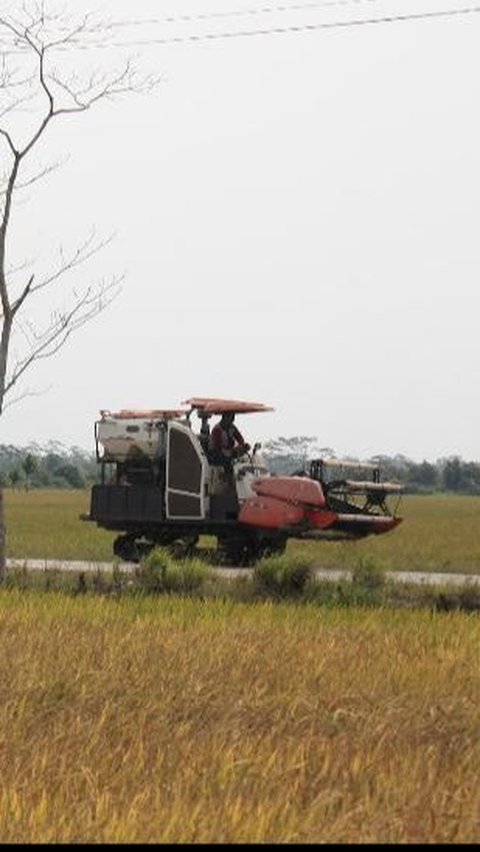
(297, 220)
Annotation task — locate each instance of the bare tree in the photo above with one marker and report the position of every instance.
(43, 57)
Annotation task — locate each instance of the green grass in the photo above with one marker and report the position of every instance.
(439, 533)
(45, 524)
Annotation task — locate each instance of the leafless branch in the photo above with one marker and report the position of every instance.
(9, 140)
(16, 104)
(15, 270)
(39, 84)
(84, 252)
(41, 36)
(24, 395)
(30, 181)
(37, 88)
(47, 341)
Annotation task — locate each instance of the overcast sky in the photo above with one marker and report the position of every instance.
(297, 218)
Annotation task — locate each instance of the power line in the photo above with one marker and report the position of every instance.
(325, 25)
(265, 10)
(293, 28)
(205, 16)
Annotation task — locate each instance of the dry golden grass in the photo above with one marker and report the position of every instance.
(156, 720)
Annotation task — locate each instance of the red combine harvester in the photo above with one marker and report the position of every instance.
(162, 486)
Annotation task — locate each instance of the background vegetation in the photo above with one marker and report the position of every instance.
(55, 466)
(286, 455)
(49, 466)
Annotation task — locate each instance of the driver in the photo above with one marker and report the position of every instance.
(226, 442)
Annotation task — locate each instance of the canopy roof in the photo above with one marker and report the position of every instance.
(219, 406)
(151, 414)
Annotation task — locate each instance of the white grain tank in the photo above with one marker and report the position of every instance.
(125, 434)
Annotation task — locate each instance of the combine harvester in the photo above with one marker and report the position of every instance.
(160, 486)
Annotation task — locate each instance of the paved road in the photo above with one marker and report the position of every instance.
(416, 577)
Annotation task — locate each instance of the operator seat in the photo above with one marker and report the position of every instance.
(204, 436)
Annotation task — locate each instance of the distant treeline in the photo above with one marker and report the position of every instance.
(56, 466)
(50, 466)
(290, 455)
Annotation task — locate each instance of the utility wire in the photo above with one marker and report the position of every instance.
(325, 25)
(293, 28)
(265, 10)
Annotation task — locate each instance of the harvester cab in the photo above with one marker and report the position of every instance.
(228, 482)
(160, 484)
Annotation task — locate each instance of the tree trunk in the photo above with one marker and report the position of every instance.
(3, 560)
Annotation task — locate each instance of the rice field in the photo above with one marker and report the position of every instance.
(439, 533)
(162, 719)
(170, 720)
(45, 524)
